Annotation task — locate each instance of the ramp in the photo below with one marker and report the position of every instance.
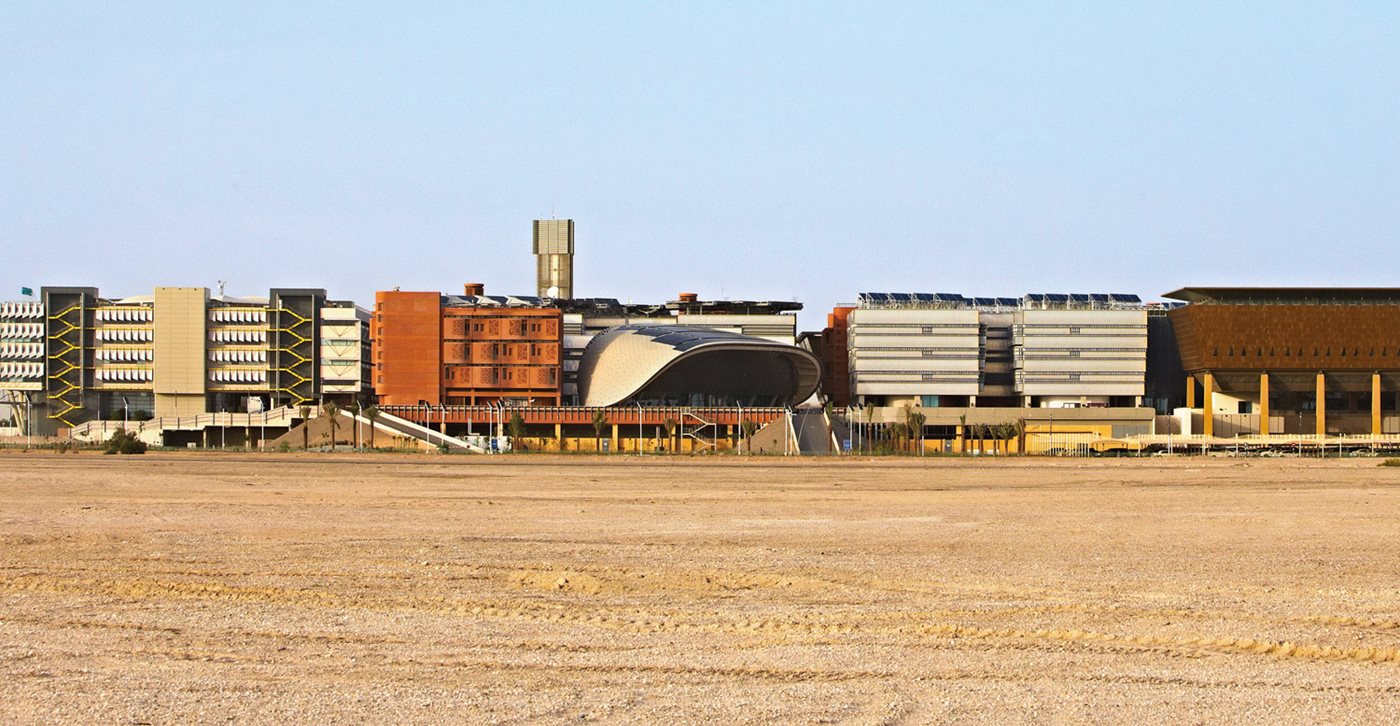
(396, 426)
(812, 431)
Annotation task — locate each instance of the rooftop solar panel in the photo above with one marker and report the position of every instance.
(1124, 297)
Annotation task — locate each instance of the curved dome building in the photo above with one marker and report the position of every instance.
(683, 365)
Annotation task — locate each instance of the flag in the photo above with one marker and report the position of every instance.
(27, 291)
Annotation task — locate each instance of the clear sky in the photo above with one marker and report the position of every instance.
(734, 149)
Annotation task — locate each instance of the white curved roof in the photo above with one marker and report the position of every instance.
(623, 361)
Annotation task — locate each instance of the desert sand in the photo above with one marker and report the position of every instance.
(173, 588)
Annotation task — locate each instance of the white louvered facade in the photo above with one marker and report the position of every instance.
(1041, 350)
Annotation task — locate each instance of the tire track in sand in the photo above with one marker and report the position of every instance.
(640, 620)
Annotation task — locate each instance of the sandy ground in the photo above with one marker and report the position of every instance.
(214, 588)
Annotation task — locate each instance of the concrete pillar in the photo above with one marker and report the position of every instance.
(614, 438)
(1375, 404)
(1207, 412)
(1321, 404)
(1190, 391)
(1263, 404)
(559, 436)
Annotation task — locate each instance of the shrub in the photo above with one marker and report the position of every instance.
(1391, 462)
(124, 442)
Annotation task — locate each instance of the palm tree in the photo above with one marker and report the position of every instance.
(600, 424)
(915, 421)
(331, 410)
(354, 409)
(749, 428)
(869, 425)
(899, 436)
(305, 412)
(371, 412)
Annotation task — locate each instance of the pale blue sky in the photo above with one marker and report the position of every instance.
(744, 150)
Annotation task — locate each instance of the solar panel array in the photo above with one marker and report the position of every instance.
(1033, 300)
(685, 337)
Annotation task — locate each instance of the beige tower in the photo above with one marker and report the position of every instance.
(554, 257)
(181, 319)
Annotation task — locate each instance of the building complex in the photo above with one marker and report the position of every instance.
(1214, 362)
(73, 355)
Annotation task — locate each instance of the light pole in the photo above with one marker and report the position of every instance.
(787, 435)
(741, 427)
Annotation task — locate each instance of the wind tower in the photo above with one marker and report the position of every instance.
(554, 257)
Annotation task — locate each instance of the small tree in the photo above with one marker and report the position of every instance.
(124, 442)
(305, 412)
(515, 429)
(371, 412)
(600, 424)
(332, 411)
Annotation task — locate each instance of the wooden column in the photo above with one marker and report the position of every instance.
(1207, 414)
(1321, 404)
(1375, 404)
(1263, 404)
(1190, 391)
